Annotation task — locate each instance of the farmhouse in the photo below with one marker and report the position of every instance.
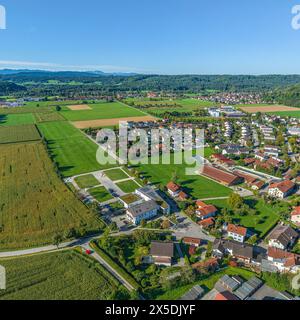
(143, 211)
(205, 211)
(237, 233)
(282, 237)
(223, 177)
(295, 215)
(281, 189)
(162, 252)
(284, 261)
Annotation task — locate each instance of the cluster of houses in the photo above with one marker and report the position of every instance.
(225, 111)
(234, 98)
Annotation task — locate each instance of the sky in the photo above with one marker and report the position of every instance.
(151, 36)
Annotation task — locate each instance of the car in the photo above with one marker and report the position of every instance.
(88, 252)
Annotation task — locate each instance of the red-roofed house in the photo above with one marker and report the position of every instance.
(295, 215)
(281, 189)
(192, 241)
(206, 223)
(173, 189)
(220, 158)
(237, 233)
(205, 211)
(283, 260)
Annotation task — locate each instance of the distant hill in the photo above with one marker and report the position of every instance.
(289, 96)
(7, 88)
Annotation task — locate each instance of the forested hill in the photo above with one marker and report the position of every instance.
(289, 96)
(7, 88)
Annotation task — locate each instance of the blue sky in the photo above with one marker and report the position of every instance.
(152, 36)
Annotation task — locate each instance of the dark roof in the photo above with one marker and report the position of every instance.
(248, 288)
(283, 234)
(194, 294)
(162, 249)
(242, 250)
(142, 208)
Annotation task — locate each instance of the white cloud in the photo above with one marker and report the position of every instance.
(59, 67)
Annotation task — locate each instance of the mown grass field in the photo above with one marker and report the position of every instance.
(87, 181)
(101, 111)
(128, 186)
(262, 222)
(196, 186)
(23, 133)
(48, 116)
(73, 152)
(100, 194)
(116, 174)
(58, 276)
(16, 119)
(35, 204)
(293, 114)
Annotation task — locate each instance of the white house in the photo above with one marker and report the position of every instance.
(237, 233)
(295, 215)
(281, 189)
(282, 237)
(284, 261)
(143, 211)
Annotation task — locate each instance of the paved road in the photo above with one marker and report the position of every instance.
(109, 185)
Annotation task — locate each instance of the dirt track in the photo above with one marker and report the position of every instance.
(268, 109)
(109, 122)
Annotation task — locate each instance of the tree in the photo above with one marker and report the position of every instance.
(174, 177)
(58, 108)
(165, 224)
(235, 201)
(57, 240)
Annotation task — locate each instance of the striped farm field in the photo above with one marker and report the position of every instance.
(16, 119)
(66, 275)
(268, 108)
(13, 134)
(35, 204)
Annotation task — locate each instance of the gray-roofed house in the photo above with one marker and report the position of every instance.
(195, 293)
(143, 211)
(162, 252)
(227, 283)
(248, 288)
(282, 237)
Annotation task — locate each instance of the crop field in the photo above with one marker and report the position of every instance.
(116, 174)
(100, 194)
(73, 152)
(106, 123)
(65, 275)
(77, 107)
(27, 217)
(102, 111)
(12, 134)
(196, 186)
(268, 108)
(16, 119)
(128, 186)
(292, 114)
(87, 181)
(48, 116)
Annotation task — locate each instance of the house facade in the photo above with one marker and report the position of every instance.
(143, 211)
(282, 237)
(281, 190)
(237, 233)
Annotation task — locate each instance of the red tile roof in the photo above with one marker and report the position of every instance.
(237, 229)
(182, 195)
(173, 186)
(291, 259)
(296, 211)
(190, 240)
(207, 222)
(226, 295)
(223, 159)
(220, 175)
(283, 186)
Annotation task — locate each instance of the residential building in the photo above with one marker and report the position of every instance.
(284, 261)
(282, 237)
(192, 241)
(143, 211)
(205, 211)
(281, 189)
(237, 233)
(295, 215)
(173, 189)
(162, 252)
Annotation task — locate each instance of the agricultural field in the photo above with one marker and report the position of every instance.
(261, 223)
(196, 186)
(116, 174)
(87, 181)
(16, 119)
(292, 114)
(65, 275)
(48, 116)
(27, 217)
(73, 152)
(268, 108)
(100, 194)
(103, 110)
(14, 134)
(128, 186)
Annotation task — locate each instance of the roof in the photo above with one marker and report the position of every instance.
(192, 240)
(283, 234)
(206, 222)
(223, 159)
(206, 209)
(142, 208)
(290, 259)
(130, 198)
(173, 186)
(237, 229)
(248, 288)
(194, 294)
(225, 295)
(219, 175)
(162, 249)
(229, 283)
(283, 186)
(296, 211)
(241, 250)
(182, 195)
(248, 178)
(211, 262)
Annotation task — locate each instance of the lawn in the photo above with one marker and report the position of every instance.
(293, 114)
(128, 186)
(100, 194)
(48, 116)
(73, 152)
(102, 111)
(23, 133)
(16, 119)
(65, 275)
(116, 174)
(261, 223)
(35, 204)
(87, 181)
(195, 185)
